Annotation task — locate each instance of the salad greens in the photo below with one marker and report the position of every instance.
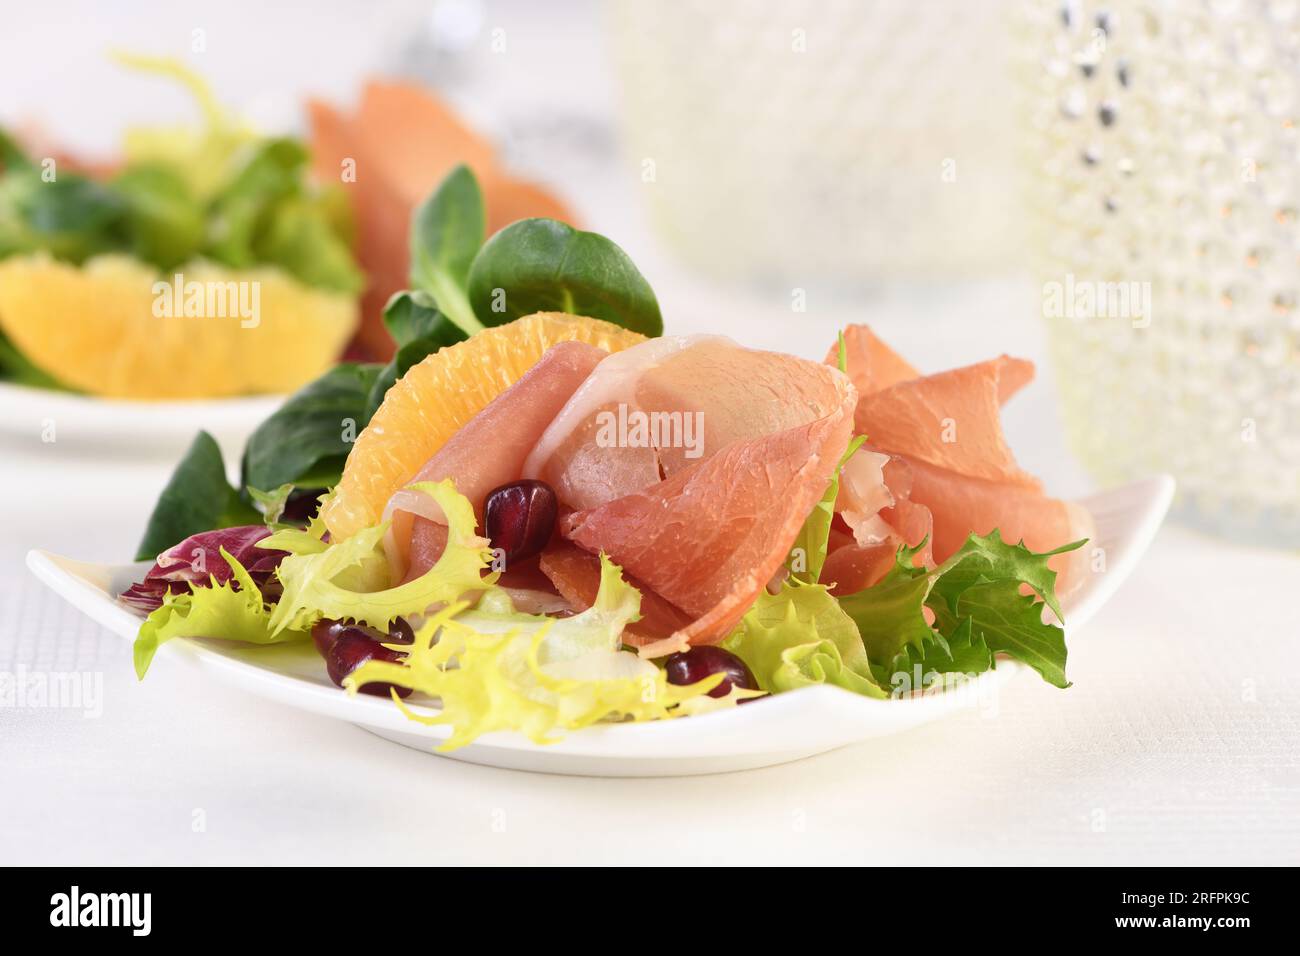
(236, 613)
(978, 610)
(305, 441)
(446, 232)
(541, 265)
(801, 636)
(219, 193)
(499, 670)
(196, 498)
(533, 265)
(348, 579)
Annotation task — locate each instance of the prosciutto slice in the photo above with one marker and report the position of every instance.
(951, 473)
(870, 363)
(713, 533)
(488, 452)
(706, 390)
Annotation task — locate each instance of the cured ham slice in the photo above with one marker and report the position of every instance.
(963, 505)
(950, 473)
(951, 420)
(575, 574)
(705, 389)
(489, 451)
(870, 363)
(710, 536)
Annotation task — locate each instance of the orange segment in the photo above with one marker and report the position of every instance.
(440, 395)
(94, 327)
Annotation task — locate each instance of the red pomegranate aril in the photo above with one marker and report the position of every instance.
(691, 667)
(326, 631)
(353, 648)
(519, 517)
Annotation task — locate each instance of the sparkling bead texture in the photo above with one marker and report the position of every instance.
(1164, 156)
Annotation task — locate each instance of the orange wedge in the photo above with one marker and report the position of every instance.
(438, 396)
(99, 328)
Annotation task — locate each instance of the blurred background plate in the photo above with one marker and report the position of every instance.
(38, 419)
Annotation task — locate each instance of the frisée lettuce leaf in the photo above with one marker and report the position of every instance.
(336, 581)
(493, 669)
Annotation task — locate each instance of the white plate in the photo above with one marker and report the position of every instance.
(785, 727)
(122, 428)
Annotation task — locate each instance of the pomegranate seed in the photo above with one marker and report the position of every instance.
(519, 517)
(691, 667)
(346, 646)
(353, 648)
(326, 631)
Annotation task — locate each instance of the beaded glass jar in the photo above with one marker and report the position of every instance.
(1165, 183)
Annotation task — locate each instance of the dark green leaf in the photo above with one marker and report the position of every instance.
(419, 329)
(166, 223)
(446, 233)
(274, 172)
(413, 315)
(541, 265)
(962, 652)
(1012, 623)
(12, 156)
(315, 426)
(70, 217)
(991, 558)
(298, 236)
(889, 614)
(197, 498)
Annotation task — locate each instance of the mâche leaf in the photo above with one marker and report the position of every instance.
(166, 223)
(419, 329)
(306, 439)
(196, 498)
(541, 265)
(446, 233)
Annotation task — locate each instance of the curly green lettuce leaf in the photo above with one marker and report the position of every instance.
(493, 669)
(916, 668)
(219, 610)
(978, 609)
(339, 581)
(808, 554)
(799, 637)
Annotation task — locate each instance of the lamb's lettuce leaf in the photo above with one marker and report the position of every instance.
(198, 497)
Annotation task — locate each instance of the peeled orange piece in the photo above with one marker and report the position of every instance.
(100, 328)
(440, 395)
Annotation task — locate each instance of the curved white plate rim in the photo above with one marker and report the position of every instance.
(778, 725)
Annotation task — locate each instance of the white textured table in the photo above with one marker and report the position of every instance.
(1177, 744)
